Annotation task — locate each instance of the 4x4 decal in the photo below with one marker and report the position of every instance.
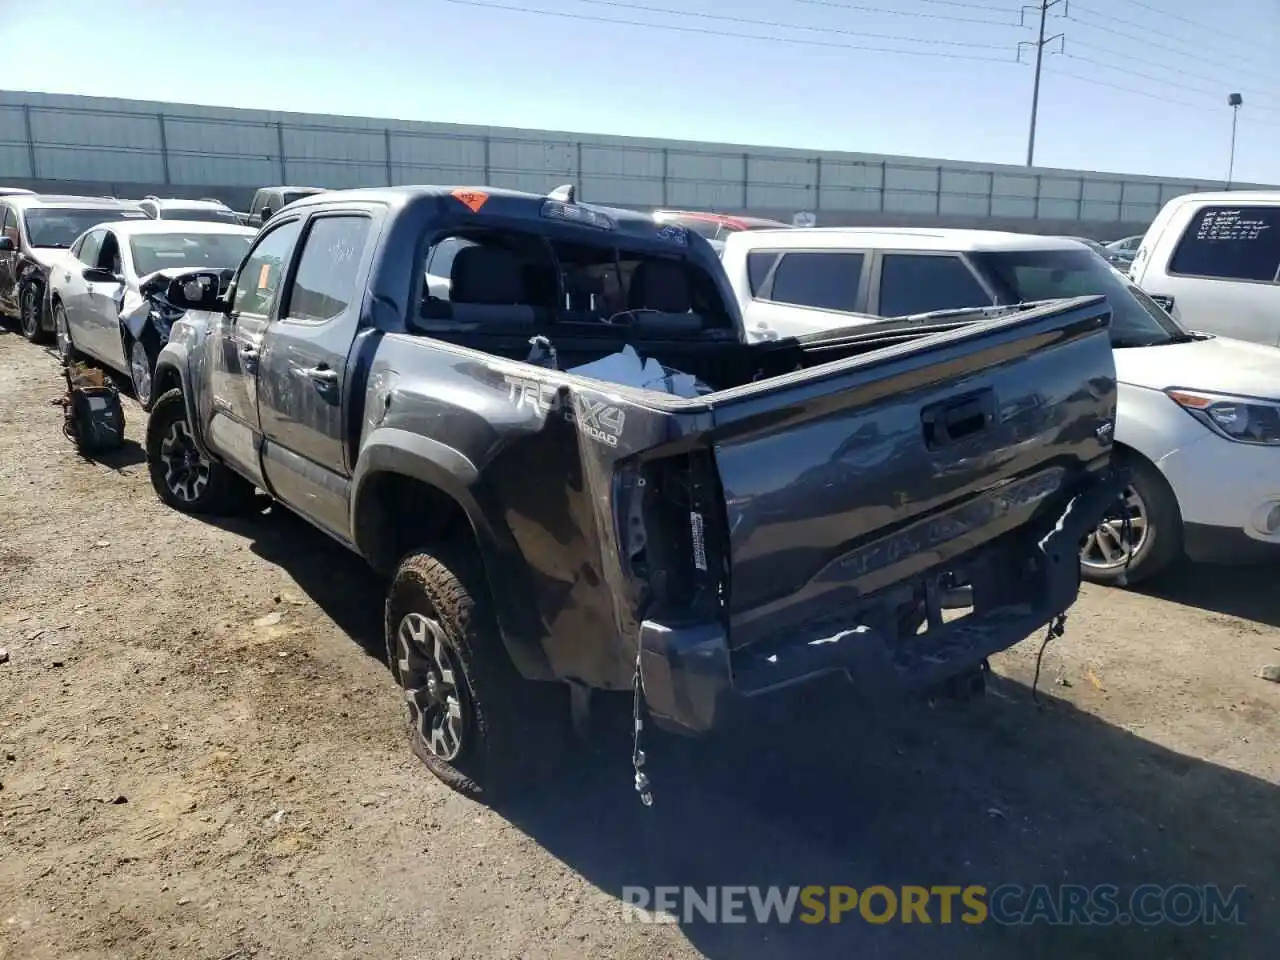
(598, 419)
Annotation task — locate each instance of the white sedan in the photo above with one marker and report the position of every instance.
(107, 295)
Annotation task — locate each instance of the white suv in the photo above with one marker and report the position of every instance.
(1214, 260)
(1198, 417)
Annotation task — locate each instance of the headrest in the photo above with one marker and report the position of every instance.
(661, 285)
(488, 275)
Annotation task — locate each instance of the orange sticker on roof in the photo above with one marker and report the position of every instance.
(474, 199)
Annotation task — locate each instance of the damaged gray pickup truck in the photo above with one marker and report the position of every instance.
(540, 420)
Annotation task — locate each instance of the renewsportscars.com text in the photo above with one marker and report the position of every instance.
(1007, 904)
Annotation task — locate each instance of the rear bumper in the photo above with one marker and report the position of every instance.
(692, 677)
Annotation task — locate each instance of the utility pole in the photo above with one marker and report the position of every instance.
(1043, 8)
(1233, 101)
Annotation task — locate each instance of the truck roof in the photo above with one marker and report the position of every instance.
(898, 238)
(510, 204)
(1230, 196)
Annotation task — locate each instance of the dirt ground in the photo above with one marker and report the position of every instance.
(203, 758)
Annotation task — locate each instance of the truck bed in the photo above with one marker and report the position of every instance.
(814, 520)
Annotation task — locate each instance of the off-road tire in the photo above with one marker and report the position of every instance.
(223, 492)
(1163, 545)
(514, 730)
(31, 312)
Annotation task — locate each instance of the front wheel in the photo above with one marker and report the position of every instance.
(142, 366)
(62, 331)
(473, 720)
(30, 308)
(182, 476)
(1116, 553)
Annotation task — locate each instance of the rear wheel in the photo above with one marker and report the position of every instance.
(182, 476)
(1115, 553)
(476, 723)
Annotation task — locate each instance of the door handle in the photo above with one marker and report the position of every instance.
(949, 421)
(323, 376)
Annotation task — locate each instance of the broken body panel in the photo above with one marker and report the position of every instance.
(807, 520)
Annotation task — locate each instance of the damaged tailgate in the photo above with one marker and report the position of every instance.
(829, 513)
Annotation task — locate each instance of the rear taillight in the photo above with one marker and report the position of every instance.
(682, 555)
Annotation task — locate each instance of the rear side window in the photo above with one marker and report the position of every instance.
(759, 263)
(1230, 243)
(828, 281)
(324, 284)
(918, 284)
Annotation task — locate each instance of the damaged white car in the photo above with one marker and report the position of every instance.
(109, 296)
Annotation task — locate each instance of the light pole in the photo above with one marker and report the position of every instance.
(1233, 101)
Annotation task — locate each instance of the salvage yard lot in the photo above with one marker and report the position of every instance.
(203, 759)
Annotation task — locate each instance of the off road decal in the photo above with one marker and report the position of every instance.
(473, 200)
(599, 420)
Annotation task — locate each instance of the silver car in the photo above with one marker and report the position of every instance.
(108, 295)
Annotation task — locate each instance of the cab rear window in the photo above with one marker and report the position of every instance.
(1230, 243)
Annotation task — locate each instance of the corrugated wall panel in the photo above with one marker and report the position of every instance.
(248, 171)
(99, 141)
(82, 128)
(310, 143)
(533, 157)
(112, 164)
(335, 174)
(437, 152)
(15, 157)
(622, 163)
(641, 192)
(221, 139)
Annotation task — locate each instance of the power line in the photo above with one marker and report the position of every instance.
(1218, 83)
(1165, 47)
(751, 21)
(1070, 14)
(1148, 76)
(860, 8)
(704, 31)
(1198, 24)
(1054, 69)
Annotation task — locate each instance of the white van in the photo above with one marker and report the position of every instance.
(1197, 417)
(1213, 259)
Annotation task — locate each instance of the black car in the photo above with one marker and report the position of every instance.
(34, 230)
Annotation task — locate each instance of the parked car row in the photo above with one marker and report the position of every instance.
(91, 271)
(581, 473)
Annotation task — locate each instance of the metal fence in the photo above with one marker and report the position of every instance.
(47, 138)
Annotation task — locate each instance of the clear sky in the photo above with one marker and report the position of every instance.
(1140, 85)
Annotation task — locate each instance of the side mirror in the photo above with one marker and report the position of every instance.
(196, 291)
(7, 245)
(99, 275)
(266, 214)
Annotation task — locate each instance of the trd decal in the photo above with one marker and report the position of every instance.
(599, 420)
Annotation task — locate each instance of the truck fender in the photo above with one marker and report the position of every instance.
(391, 452)
(171, 372)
